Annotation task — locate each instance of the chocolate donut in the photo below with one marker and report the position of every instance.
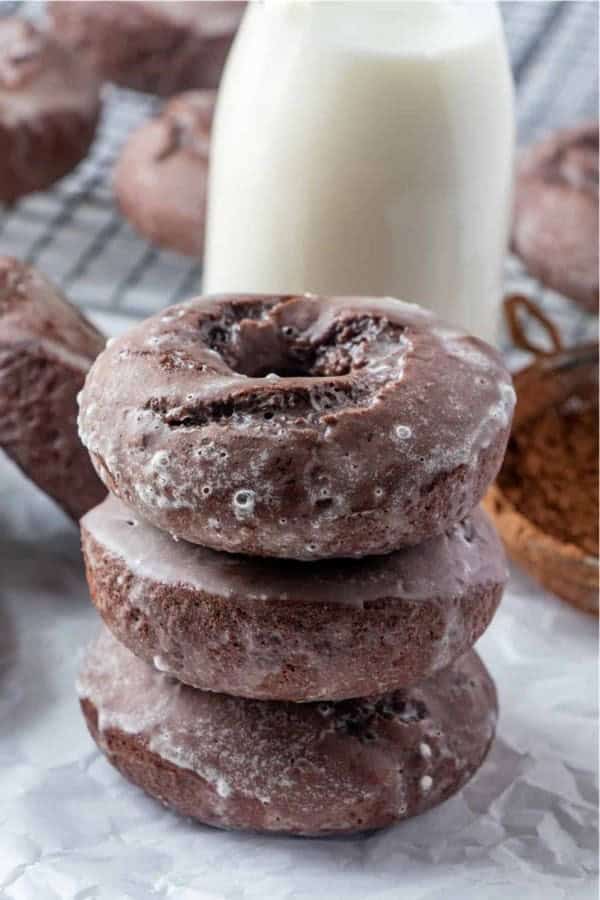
(555, 229)
(300, 631)
(159, 47)
(301, 768)
(49, 108)
(298, 427)
(46, 349)
(160, 178)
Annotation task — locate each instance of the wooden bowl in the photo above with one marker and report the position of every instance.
(561, 567)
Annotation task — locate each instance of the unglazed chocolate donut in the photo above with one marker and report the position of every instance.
(299, 427)
(301, 768)
(46, 349)
(555, 228)
(294, 631)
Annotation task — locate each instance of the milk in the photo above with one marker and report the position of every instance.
(365, 148)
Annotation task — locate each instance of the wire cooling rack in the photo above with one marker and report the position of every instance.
(75, 234)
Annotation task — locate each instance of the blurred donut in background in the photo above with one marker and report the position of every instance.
(49, 109)
(160, 48)
(161, 177)
(555, 228)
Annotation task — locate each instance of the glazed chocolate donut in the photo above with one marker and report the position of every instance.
(298, 427)
(300, 631)
(46, 349)
(555, 228)
(49, 109)
(160, 47)
(160, 178)
(300, 768)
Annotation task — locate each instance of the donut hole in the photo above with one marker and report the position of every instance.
(254, 339)
(305, 370)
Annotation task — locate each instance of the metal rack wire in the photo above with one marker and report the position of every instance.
(76, 235)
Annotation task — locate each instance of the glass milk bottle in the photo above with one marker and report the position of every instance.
(365, 148)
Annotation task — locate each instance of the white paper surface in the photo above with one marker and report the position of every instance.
(72, 828)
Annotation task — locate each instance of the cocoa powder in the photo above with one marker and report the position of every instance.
(550, 473)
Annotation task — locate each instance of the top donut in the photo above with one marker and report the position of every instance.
(299, 426)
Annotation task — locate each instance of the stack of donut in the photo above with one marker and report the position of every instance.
(291, 564)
